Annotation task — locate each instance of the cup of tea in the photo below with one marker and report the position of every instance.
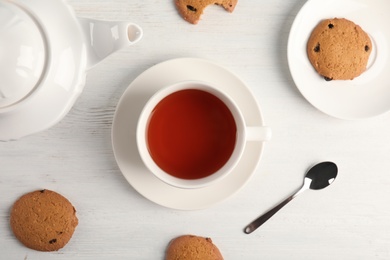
(191, 134)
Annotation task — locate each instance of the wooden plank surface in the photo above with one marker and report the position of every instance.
(348, 220)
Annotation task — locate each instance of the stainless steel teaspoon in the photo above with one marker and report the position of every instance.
(318, 177)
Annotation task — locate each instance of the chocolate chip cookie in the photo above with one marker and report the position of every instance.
(192, 10)
(339, 49)
(43, 220)
(189, 247)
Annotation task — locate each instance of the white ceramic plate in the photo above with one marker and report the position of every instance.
(367, 95)
(124, 133)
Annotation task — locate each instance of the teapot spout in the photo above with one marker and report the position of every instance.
(104, 38)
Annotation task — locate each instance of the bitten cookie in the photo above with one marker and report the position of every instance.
(189, 247)
(191, 10)
(339, 49)
(43, 220)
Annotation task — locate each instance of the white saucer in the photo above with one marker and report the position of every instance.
(124, 133)
(367, 95)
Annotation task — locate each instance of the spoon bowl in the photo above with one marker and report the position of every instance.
(318, 177)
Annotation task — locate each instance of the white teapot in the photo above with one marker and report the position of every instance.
(45, 51)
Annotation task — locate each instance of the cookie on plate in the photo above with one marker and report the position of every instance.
(43, 220)
(189, 247)
(191, 10)
(339, 49)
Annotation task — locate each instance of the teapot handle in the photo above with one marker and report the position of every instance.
(105, 37)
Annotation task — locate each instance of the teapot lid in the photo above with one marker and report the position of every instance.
(22, 54)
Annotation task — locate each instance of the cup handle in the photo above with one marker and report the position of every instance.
(258, 133)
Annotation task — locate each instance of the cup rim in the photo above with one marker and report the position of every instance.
(142, 140)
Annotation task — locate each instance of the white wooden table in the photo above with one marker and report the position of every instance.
(348, 220)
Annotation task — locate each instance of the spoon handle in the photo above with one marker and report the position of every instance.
(263, 218)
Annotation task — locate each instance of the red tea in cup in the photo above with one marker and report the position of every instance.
(191, 134)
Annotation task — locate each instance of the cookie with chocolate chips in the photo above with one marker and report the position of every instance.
(43, 220)
(190, 247)
(192, 10)
(339, 49)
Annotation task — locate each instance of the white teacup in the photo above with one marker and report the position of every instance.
(191, 134)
